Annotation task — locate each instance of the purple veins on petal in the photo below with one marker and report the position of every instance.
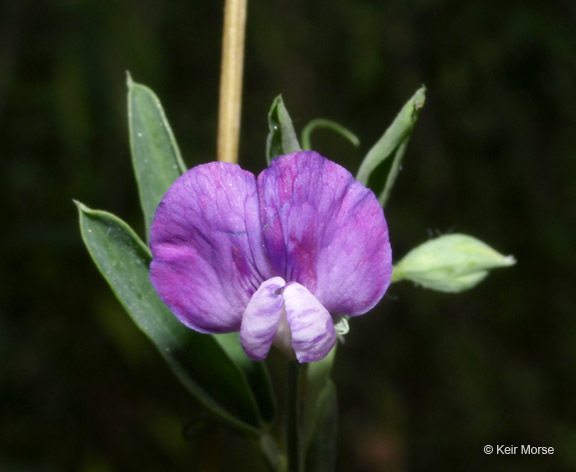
(207, 247)
(270, 257)
(326, 231)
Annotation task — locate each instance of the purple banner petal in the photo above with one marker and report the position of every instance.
(326, 231)
(206, 241)
(273, 257)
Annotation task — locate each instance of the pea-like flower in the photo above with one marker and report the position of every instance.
(275, 257)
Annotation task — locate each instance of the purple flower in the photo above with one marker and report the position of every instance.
(274, 257)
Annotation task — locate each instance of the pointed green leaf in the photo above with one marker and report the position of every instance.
(157, 163)
(281, 135)
(155, 155)
(328, 124)
(373, 173)
(450, 263)
(197, 359)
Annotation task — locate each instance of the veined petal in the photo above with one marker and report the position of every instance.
(326, 231)
(207, 247)
(311, 326)
(261, 317)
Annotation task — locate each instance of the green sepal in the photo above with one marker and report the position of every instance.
(281, 138)
(198, 360)
(373, 172)
(450, 263)
(155, 155)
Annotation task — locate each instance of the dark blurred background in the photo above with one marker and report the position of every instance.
(426, 380)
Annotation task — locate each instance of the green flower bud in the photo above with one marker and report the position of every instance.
(450, 263)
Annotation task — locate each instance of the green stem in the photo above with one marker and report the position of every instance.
(293, 439)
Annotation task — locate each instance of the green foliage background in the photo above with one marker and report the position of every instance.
(426, 380)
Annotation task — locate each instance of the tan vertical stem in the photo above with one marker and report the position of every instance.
(231, 80)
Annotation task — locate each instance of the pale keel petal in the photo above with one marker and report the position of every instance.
(311, 326)
(260, 318)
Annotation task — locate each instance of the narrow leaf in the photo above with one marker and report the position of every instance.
(281, 138)
(197, 359)
(392, 144)
(155, 156)
(157, 163)
(332, 126)
(450, 263)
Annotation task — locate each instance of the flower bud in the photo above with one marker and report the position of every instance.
(450, 263)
